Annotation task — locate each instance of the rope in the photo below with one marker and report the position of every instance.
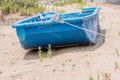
(63, 22)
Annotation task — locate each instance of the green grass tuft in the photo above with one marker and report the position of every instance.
(25, 7)
(62, 11)
(117, 53)
(50, 53)
(116, 65)
(107, 76)
(81, 2)
(91, 78)
(40, 54)
(118, 33)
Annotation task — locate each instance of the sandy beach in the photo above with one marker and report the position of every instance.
(100, 61)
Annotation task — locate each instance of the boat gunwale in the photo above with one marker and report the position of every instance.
(71, 20)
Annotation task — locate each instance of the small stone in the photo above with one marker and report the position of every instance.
(63, 64)
(73, 65)
(13, 43)
(5, 53)
(70, 60)
(72, 69)
(3, 35)
(14, 71)
(1, 72)
(46, 65)
(54, 70)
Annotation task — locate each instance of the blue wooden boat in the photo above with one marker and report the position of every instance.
(41, 30)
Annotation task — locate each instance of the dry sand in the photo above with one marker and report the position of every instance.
(72, 63)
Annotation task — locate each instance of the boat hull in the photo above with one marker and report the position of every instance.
(58, 34)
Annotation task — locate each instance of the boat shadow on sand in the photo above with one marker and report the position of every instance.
(33, 54)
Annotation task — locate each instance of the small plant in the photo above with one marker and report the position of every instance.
(25, 7)
(40, 9)
(62, 11)
(91, 78)
(50, 53)
(101, 20)
(70, 2)
(118, 22)
(40, 54)
(112, 23)
(81, 4)
(118, 33)
(26, 12)
(106, 76)
(117, 53)
(53, 8)
(60, 4)
(116, 65)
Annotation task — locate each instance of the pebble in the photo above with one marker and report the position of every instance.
(1, 72)
(13, 43)
(73, 65)
(54, 70)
